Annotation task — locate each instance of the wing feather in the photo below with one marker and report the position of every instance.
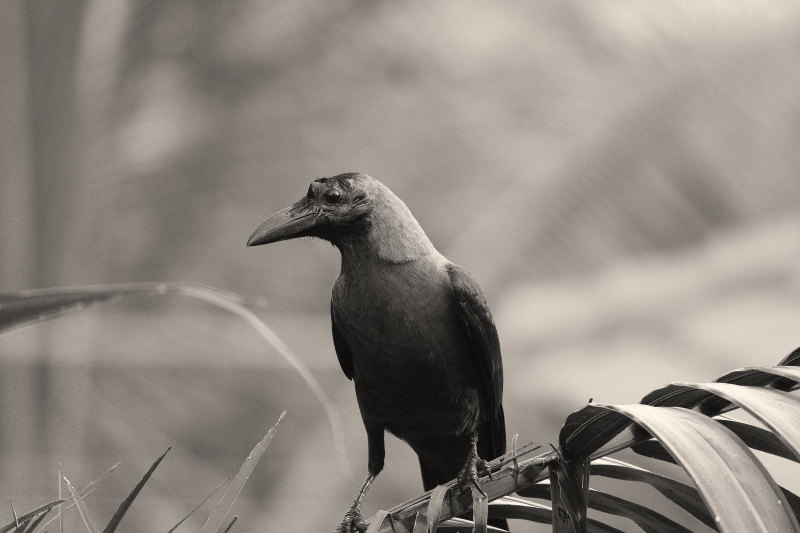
(477, 319)
(343, 352)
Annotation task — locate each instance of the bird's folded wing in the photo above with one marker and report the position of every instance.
(342, 350)
(485, 346)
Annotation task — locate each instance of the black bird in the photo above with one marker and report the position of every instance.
(411, 329)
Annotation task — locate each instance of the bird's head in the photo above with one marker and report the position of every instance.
(352, 211)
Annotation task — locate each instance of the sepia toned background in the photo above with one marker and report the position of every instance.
(621, 178)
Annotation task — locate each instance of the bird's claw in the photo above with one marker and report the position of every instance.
(353, 522)
(469, 474)
(483, 468)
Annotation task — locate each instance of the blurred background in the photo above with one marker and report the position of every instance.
(620, 178)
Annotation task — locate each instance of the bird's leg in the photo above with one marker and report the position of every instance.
(353, 521)
(472, 466)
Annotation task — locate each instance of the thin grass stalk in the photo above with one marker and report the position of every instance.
(196, 507)
(83, 493)
(82, 509)
(14, 514)
(60, 508)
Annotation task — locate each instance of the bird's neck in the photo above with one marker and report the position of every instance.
(392, 235)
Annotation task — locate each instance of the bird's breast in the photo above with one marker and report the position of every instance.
(396, 314)
(408, 343)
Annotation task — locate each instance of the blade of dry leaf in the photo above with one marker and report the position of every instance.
(27, 516)
(34, 523)
(420, 524)
(14, 514)
(457, 525)
(221, 510)
(235, 518)
(778, 410)
(83, 493)
(35, 305)
(377, 521)
(434, 512)
(126, 503)
(480, 511)
(199, 504)
(683, 495)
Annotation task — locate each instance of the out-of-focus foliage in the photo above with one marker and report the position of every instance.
(620, 178)
(531, 140)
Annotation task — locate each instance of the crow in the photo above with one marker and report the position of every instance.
(412, 331)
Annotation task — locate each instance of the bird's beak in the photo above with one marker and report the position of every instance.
(287, 223)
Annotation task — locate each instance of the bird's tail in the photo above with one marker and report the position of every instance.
(491, 444)
(492, 437)
(433, 476)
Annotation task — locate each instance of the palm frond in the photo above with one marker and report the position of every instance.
(683, 423)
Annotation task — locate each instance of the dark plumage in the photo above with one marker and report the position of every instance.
(411, 329)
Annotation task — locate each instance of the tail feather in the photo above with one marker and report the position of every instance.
(492, 437)
(431, 476)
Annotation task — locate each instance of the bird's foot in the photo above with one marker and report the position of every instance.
(470, 471)
(353, 521)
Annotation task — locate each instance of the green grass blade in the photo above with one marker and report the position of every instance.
(221, 510)
(126, 503)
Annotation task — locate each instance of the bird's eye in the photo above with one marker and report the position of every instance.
(333, 197)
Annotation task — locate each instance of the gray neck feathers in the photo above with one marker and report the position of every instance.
(398, 237)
